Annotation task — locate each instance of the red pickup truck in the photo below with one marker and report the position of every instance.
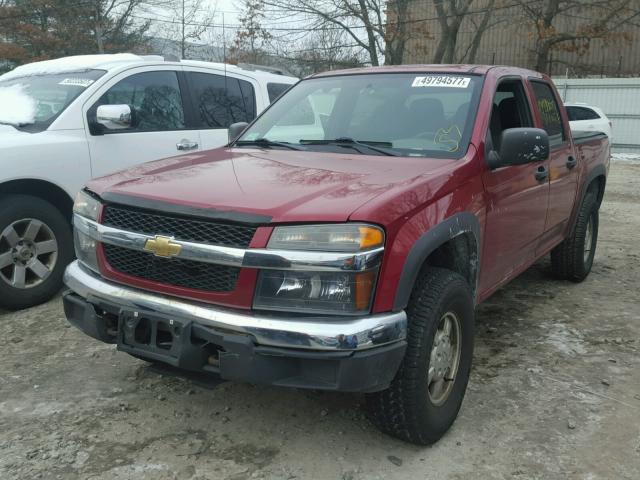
(343, 239)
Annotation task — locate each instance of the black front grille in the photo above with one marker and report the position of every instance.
(182, 228)
(172, 271)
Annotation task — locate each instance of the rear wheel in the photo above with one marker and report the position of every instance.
(573, 258)
(427, 392)
(35, 247)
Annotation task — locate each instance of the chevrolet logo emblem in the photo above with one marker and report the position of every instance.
(162, 247)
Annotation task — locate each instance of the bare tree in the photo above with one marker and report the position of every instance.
(397, 32)
(450, 13)
(488, 20)
(321, 51)
(592, 19)
(111, 19)
(183, 21)
(362, 21)
(252, 40)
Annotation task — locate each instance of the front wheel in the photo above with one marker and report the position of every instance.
(35, 246)
(424, 398)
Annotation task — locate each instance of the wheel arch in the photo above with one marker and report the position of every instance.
(453, 244)
(596, 178)
(42, 189)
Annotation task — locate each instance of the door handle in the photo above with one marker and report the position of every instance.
(571, 162)
(184, 144)
(542, 173)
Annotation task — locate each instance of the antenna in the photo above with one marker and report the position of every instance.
(224, 51)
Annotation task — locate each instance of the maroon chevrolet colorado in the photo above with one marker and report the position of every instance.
(343, 239)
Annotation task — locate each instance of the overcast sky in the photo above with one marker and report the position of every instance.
(231, 8)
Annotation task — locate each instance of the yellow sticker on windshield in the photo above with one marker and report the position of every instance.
(449, 137)
(448, 81)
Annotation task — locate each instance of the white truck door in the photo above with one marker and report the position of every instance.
(158, 129)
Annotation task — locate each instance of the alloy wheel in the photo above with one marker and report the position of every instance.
(28, 253)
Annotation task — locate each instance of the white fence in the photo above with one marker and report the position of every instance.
(618, 97)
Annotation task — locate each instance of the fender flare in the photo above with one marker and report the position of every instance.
(598, 171)
(460, 223)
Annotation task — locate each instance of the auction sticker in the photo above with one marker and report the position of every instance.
(77, 82)
(449, 81)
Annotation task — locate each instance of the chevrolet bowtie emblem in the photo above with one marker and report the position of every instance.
(162, 247)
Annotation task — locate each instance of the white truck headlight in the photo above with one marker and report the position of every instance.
(320, 292)
(87, 206)
(85, 246)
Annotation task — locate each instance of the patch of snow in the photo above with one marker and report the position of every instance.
(69, 64)
(626, 157)
(565, 340)
(18, 107)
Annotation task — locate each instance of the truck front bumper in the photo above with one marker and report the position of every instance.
(360, 354)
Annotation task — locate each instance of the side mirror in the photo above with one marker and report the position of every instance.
(115, 117)
(236, 129)
(519, 146)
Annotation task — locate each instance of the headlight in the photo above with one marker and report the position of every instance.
(351, 237)
(321, 292)
(315, 292)
(86, 206)
(85, 246)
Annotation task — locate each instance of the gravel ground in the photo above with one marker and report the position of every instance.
(554, 393)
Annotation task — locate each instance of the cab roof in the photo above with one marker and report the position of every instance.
(432, 68)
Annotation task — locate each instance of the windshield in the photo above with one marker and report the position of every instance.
(32, 103)
(396, 114)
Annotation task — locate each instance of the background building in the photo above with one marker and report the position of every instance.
(586, 38)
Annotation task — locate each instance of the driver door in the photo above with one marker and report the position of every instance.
(159, 129)
(517, 195)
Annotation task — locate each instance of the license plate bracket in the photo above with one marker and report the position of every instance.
(153, 336)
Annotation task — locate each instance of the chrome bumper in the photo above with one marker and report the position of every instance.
(317, 333)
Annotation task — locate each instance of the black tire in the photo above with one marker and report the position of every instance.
(570, 260)
(406, 410)
(14, 208)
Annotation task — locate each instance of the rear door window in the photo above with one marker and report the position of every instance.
(581, 113)
(220, 101)
(549, 112)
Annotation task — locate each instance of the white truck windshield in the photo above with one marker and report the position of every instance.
(31, 103)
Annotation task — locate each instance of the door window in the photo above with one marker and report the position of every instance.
(220, 101)
(153, 96)
(510, 110)
(581, 113)
(275, 90)
(549, 113)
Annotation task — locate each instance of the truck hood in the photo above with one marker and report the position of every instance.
(288, 186)
(8, 131)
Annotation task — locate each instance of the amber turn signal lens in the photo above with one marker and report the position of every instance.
(364, 289)
(370, 237)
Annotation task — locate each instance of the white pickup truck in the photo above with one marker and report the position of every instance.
(65, 121)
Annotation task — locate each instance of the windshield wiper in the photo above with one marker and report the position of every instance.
(355, 144)
(265, 142)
